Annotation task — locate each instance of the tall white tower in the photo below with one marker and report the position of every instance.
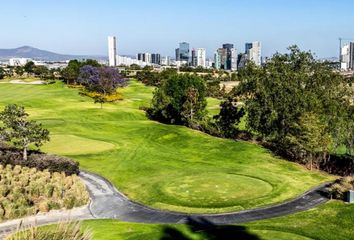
(255, 53)
(112, 51)
(201, 57)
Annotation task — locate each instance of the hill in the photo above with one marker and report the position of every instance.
(38, 54)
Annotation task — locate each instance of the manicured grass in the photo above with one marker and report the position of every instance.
(333, 221)
(167, 167)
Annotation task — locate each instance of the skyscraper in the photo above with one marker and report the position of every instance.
(254, 52)
(347, 58)
(112, 51)
(201, 57)
(182, 53)
(156, 58)
(226, 57)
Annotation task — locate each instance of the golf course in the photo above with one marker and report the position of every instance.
(162, 166)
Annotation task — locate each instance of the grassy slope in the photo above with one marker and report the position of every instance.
(333, 221)
(168, 167)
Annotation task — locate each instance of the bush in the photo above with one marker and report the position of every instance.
(341, 187)
(38, 160)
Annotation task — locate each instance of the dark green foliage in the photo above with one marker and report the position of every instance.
(29, 67)
(2, 73)
(179, 100)
(71, 73)
(153, 78)
(229, 117)
(20, 131)
(38, 160)
(293, 99)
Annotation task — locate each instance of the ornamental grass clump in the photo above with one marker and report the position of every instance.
(27, 191)
(62, 231)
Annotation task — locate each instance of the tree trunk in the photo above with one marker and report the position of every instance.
(25, 153)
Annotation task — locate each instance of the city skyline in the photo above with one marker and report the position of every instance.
(81, 28)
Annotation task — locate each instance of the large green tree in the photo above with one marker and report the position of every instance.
(179, 100)
(20, 131)
(278, 95)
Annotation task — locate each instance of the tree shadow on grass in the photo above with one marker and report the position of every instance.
(200, 228)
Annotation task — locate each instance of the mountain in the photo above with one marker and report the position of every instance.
(40, 55)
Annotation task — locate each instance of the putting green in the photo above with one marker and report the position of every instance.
(74, 145)
(214, 190)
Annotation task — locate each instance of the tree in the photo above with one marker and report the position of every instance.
(2, 73)
(72, 71)
(179, 100)
(277, 95)
(41, 71)
(20, 131)
(229, 117)
(103, 80)
(29, 67)
(311, 137)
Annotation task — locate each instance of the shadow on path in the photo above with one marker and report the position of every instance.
(201, 228)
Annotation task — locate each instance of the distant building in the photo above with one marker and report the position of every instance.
(226, 57)
(201, 57)
(182, 53)
(145, 57)
(347, 57)
(241, 60)
(112, 51)
(254, 52)
(14, 62)
(194, 58)
(166, 61)
(156, 58)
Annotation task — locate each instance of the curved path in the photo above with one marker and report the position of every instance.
(108, 203)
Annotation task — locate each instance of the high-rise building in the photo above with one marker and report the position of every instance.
(182, 53)
(166, 61)
(226, 57)
(145, 57)
(221, 59)
(112, 51)
(254, 52)
(194, 58)
(347, 57)
(156, 58)
(201, 57)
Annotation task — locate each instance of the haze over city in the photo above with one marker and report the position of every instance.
(82, 27)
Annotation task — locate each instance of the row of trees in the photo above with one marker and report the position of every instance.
(298, 105)
(29, 70)
(181, 99)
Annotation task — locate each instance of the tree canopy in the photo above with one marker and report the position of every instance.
(20, 131)
(179, 100)
(292, 92)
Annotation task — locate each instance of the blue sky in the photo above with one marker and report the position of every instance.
(82, 26)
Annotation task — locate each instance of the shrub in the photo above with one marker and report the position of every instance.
(39, 161)
(341, 187)
(40, 191)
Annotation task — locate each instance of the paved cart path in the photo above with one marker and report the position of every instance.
(108, 203)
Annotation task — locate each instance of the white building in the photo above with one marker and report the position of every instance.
(254, 53)
(18, 61)
(201, 57)
(112, 51)
(233, 59)
(166, 61)
(347, 57)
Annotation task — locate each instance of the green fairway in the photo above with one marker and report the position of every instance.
(333, 221)
(167, 167)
